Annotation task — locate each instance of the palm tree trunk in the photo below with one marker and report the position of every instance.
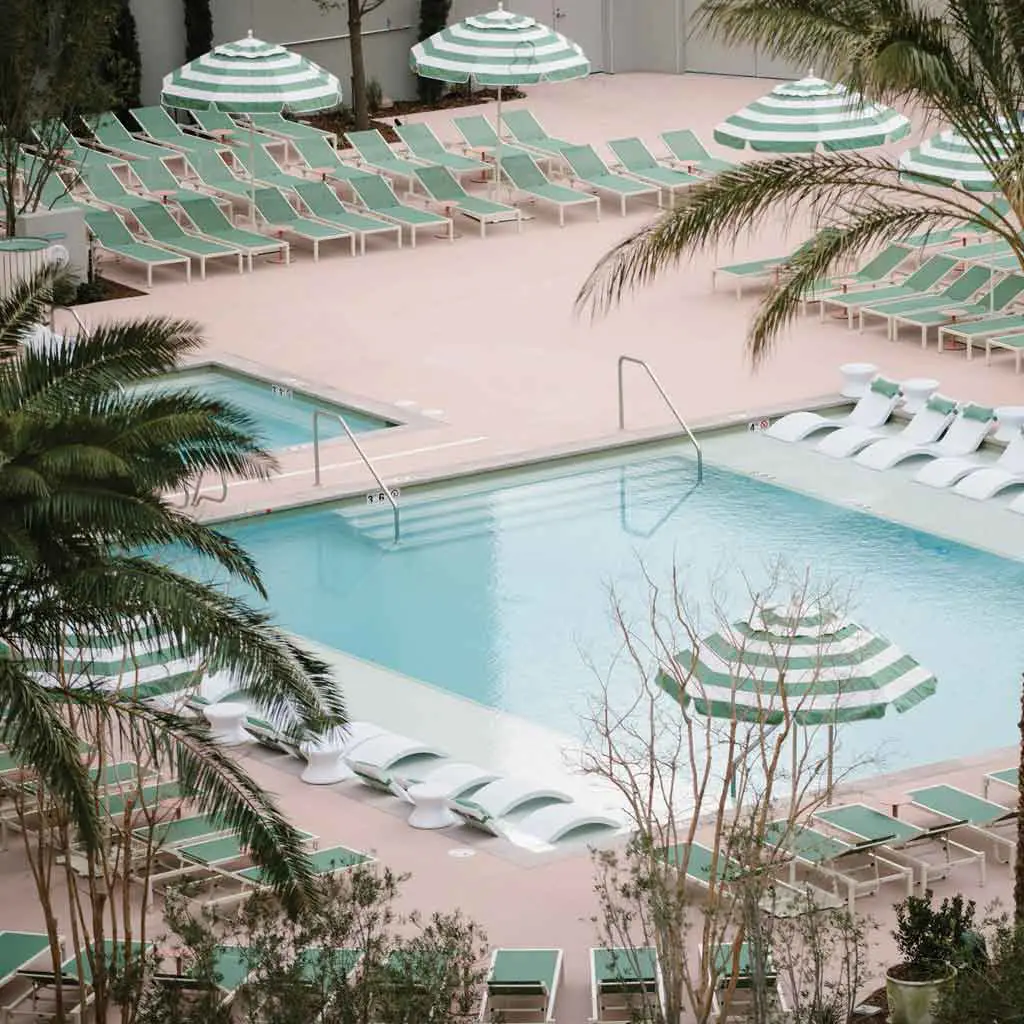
(1018, 875)
(355, 43)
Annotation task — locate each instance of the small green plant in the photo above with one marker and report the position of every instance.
(374, 96)
(931, 941)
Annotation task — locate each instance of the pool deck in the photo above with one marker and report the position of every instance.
(479, 340)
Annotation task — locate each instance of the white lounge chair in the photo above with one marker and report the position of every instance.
(455, 778)
(559, 821)
(389, 750)
(927, 425)
(502, 798)
(873, 409)
(1006, 471)
(965, 435)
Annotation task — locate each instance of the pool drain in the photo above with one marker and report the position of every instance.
(462, 852)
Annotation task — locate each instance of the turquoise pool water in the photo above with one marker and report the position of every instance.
(284, 416)
(500, 589)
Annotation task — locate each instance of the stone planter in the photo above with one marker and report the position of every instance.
(912, 1002)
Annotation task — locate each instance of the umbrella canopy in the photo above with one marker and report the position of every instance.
(812, 114)
(951, 159)
(251, 77)
(498, 48)
(818, 668)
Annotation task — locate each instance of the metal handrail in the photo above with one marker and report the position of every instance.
(668, 401)
(384, 489)
(196, 497)
(68, 309)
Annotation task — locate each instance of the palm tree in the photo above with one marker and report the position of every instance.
(86, 462)
(959, 63)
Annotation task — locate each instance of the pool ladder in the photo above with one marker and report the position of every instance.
(623, 360)
(384, 489)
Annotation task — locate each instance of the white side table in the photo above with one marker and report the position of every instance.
(324, 765)
(227, 722)
(916, 392)
(1011, 419)
(856, 378)
(431, 808)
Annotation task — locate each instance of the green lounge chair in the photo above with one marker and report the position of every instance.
(281, 216)
(443, 188)
(111, 134)
(588, 167)
(378, 197)
(53, 191)
(479, 136)
(17, 951)
(956, 293)
(423, 144)
(157, 222)
(112, 236)
(214, 175)
(158, 126)
(528, 132)
(209, 220)
(687, 149)
(326, 863)
(975, 332)
(323, 203)
(50, 134)
(182, 831)
(1004, 777)
(881, 268)
(626, 985)
(374, 152)
(522, 984)
(732, 973)
(859, 869)
(155, 178)
(215, 123)
(928, 275)
(107, 189)
(286, 128)
(322, 158)
(231, 969)
(527, 177)
(700, 864)
(259, 164)
(639, 162)
(917, 846)
(991, 301)
(985, 819)
(1007, 343)
(758, 270)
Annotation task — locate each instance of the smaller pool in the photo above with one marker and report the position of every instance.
(283, 415)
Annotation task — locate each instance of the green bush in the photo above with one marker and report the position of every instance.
(374, 96)
(198, 28)
(931, 940)
(123, 67)
(433, 18)
(988, 992)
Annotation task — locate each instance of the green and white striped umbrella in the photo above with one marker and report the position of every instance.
(251, 77)
(818, 668)
(499, 48)
(949, 159)
(804, 116)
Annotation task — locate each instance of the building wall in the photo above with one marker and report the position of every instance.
(618, 36)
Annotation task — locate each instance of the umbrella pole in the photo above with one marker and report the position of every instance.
(831, 758)
(496, 184)
(252, 174)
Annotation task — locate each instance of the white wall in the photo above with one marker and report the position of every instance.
(161, 29)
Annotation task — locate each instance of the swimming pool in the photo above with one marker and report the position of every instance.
(499, 588)
(284, 415)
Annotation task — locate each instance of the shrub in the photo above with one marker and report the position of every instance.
(931, 941)
(433, 18)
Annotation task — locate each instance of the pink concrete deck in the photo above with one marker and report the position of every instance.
(481, 334)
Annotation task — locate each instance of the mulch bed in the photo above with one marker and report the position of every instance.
(102, 289)
(341, 121)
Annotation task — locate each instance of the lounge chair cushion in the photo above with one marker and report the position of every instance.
(942, 405)
(981, 413)
(882, 386)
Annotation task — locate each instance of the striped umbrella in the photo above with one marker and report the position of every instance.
(804, 116)
(250, 76)
(498, 48)
(948, 158)
(813, 668)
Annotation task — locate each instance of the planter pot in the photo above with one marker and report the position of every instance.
(912, 1002)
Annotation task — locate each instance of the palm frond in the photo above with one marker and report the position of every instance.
(25, 306)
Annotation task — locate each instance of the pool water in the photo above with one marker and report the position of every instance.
(283, 416)
(500, 588)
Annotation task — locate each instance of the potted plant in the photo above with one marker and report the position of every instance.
(934, 943)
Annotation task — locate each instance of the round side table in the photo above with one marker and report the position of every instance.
(431, 807)
(856, 378)
(227, 720)
(916, 392)
(1011, 419)
(324, 765)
